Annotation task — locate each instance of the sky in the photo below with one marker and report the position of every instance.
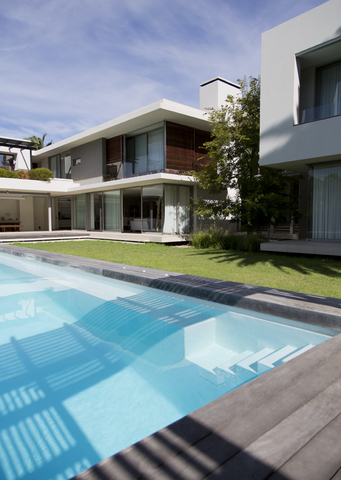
(69, 65)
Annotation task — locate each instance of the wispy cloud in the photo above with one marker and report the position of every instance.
(70, 65)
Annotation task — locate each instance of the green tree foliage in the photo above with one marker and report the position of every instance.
(255, 195)
(39, 142)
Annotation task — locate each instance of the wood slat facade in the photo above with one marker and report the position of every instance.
(114, 156)
(183, 147)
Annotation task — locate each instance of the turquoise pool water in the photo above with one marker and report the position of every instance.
(89, 366)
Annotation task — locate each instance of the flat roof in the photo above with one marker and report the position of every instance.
(162, 110)
(16, 143)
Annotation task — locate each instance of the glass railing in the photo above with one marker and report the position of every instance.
(321, 112)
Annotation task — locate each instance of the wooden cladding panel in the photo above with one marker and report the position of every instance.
(183, 147)
(115, 149)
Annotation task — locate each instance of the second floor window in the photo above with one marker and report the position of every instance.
(329, 100)
(144, 153)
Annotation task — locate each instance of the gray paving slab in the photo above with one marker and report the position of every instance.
(271, 450)
(322, 454)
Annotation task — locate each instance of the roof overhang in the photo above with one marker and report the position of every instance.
(16, 143)
(13, 186)
(153, 114)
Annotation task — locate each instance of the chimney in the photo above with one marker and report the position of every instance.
(214, 92)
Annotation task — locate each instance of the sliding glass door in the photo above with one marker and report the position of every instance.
(325, 196)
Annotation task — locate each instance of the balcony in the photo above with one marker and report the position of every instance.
(319, 113)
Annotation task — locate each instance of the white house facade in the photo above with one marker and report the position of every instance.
(128, 175)
(300, 127)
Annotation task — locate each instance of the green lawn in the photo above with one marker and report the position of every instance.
(317, 275)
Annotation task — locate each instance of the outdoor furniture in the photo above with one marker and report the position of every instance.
(10, 226)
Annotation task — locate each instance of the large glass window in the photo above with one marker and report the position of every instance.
(152, 205)
(79, 212)
(325, 196)
(177, 209)
(184, 210)
(144, 153)
(112, 210)
(132, 210)
(95, 211)
(330, 91)
(171, 206)
(60, 165)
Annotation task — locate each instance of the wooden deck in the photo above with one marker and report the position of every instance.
(284, 425)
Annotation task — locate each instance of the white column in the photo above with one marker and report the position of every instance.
(195, 218)
(49, 213)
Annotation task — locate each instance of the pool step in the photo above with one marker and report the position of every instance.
(298, 352)
(238, 368)
(274, 359)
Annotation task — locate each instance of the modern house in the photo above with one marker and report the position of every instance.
(129, 175)
(300, 127)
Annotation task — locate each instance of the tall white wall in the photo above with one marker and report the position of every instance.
(285, 143)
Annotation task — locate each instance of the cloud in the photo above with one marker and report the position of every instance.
(70, 65)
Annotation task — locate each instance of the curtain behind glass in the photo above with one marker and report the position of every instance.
(326, 201)
(330, 93)
(184, 210)
(112, 211)
(171, 194)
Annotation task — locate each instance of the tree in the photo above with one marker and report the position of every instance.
(39, 142)
(256, 196)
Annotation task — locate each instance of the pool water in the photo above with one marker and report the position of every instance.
(89, 365)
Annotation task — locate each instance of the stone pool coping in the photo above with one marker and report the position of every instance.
(283, 425)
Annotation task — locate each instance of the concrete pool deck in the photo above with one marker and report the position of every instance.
(283, 425)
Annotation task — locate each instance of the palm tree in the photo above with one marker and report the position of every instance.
(39, 142)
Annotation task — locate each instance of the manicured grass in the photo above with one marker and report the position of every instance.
(316, 275)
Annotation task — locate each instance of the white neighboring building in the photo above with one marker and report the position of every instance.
(301, 112)
(127, 175)
(16, 152)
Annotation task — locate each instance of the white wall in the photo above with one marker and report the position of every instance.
(213, 93)
(284, 143)
(23, 157)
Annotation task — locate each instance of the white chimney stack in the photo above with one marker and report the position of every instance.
(213, 93)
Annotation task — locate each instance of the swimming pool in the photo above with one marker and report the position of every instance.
(90, 365)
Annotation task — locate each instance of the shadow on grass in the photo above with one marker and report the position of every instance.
(303, 265)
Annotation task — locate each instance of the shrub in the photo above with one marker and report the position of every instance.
(213, 238)
(23, 174)
(8, 173)
(40, 174)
